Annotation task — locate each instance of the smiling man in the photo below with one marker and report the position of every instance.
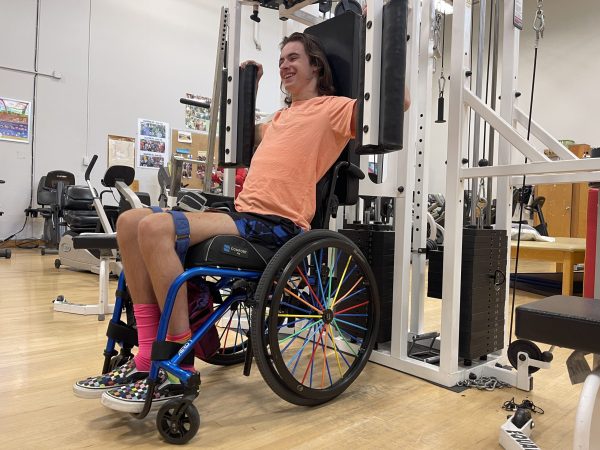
(296, 149)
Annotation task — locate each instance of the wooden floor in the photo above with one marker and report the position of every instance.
(43, 352)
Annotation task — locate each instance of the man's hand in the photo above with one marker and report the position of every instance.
(259, 66)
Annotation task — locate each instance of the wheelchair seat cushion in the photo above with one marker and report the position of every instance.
(229, 251)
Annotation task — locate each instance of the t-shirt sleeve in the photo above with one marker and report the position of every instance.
(340, 115)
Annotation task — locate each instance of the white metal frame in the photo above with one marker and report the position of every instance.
(406, 180)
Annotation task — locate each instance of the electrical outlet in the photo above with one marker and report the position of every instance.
(86, 160)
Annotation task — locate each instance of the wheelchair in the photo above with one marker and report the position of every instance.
(307, 314)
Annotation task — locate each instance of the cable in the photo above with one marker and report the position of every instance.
(538, 26)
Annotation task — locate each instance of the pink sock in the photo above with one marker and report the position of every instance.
(182, 339)
(147, 317)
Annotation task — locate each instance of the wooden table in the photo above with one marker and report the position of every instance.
(564, 251)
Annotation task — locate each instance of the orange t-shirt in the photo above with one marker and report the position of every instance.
(298, 147)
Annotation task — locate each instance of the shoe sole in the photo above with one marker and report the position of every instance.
(83, 392)
(132, 407)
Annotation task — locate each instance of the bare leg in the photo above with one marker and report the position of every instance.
(138, 279)
(156, 239)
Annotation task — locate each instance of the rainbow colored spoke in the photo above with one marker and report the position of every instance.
(349, 296)
(310, 364)
(310, 288)
(301, 300)
(281, 341)
(297, 308)
(318, 268)
(330, 281)
(298, 354)
(351, 324)
(290, 324)
(335, 350)
(325, 361)
(352, 315)
(350, 308)
(344, 279)
(350, 346)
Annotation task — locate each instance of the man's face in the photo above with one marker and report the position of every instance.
(295, 70)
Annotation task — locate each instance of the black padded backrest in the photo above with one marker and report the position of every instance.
(55, 177)
(113, 174)
(45, 196)
(341, 38)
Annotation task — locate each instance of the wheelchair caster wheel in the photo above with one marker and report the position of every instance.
(57, 263)
(178, 421)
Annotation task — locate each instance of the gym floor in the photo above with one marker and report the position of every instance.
(43, 352)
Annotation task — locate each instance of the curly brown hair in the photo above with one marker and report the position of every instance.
(317, 58)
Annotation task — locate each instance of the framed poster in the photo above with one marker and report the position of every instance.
(121, 151)
(15, 123)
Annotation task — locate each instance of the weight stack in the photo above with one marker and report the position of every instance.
(376, 242)
(482, 290)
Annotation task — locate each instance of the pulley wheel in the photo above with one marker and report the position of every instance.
(522, 345)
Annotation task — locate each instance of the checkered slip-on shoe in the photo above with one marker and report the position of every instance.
(131, 398)
(93, 387)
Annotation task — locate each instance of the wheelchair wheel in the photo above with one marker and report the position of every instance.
(233, 334)
(315, 319)
(178, 421)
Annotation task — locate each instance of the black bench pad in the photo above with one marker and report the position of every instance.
(100, 241)
(569, 322)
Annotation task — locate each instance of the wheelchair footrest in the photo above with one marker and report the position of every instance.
(122, 332)
(161, 351)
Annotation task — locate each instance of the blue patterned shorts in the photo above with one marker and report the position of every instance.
(264, 229)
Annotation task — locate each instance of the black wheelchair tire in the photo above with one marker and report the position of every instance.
(178, 430)
(272, 368)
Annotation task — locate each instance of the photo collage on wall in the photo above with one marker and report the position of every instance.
(153, 143)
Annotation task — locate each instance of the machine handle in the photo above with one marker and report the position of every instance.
(355, 171)
(90, 167)
(192, 102)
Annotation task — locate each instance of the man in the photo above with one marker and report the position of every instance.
(296, 149)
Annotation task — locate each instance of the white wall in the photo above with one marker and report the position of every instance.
(566, 92)
(120, 60)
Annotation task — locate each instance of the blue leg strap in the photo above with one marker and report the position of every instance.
(182, 231)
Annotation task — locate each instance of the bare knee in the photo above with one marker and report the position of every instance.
(127, 225)
(155, 232)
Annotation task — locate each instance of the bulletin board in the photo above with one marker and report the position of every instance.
(194, 145)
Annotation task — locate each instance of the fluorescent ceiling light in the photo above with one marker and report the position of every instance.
(444, 6)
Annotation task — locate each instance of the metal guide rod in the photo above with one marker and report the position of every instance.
(495, 11)
(233, 62)
(422, 148)
(478, 84)
(216, 98)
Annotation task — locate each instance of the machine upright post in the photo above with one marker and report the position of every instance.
(457, 130)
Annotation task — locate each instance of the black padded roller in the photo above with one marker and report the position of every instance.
(246, 118)
(393, 74)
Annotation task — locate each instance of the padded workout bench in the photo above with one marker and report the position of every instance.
(569, 322)
(565, 251)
